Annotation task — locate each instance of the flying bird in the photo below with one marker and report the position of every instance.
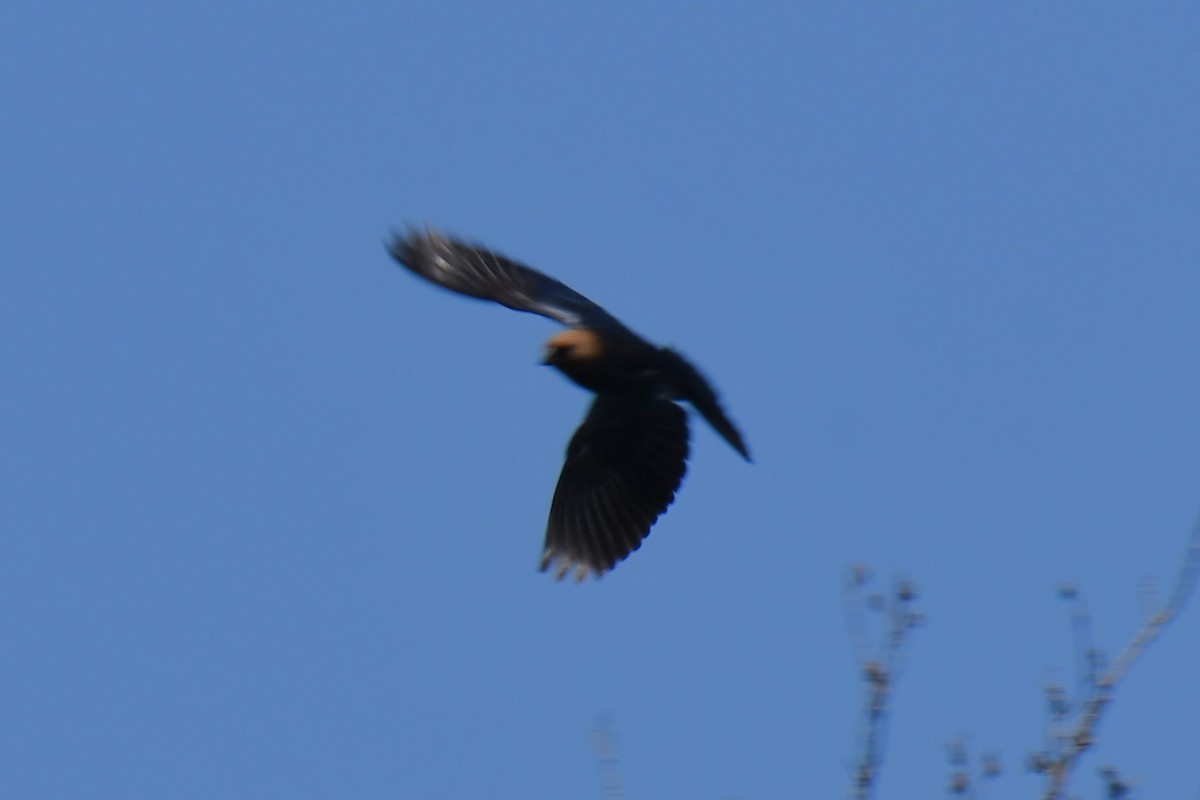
(627, 459)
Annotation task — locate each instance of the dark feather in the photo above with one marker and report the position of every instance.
(623, 466)
(694, 388)
(477, 272)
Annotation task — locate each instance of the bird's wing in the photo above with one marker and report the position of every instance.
(481, 273)
(623, 466)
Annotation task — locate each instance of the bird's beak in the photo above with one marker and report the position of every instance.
(547, 357)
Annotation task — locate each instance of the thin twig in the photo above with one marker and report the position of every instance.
(880, 669)
(610, 768)
(1058, 769)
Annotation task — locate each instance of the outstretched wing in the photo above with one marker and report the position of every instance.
(624, 465)
(477, 272)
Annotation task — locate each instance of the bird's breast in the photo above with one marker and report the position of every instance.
(623, 371)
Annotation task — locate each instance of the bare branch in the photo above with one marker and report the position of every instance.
(610, 768)
(1057, 766)
(880, 666)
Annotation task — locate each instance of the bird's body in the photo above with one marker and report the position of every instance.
(628, 457)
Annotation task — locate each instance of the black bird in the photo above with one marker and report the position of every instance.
(628, 457)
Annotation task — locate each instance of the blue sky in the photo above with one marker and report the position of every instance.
(273, 507)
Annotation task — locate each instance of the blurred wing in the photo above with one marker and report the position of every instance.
(623, 467)
(477, 272)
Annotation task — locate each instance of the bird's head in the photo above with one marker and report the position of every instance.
(572, 346)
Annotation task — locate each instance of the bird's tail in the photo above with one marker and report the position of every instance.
(694, 388)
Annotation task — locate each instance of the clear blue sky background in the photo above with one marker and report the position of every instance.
(272, 507)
